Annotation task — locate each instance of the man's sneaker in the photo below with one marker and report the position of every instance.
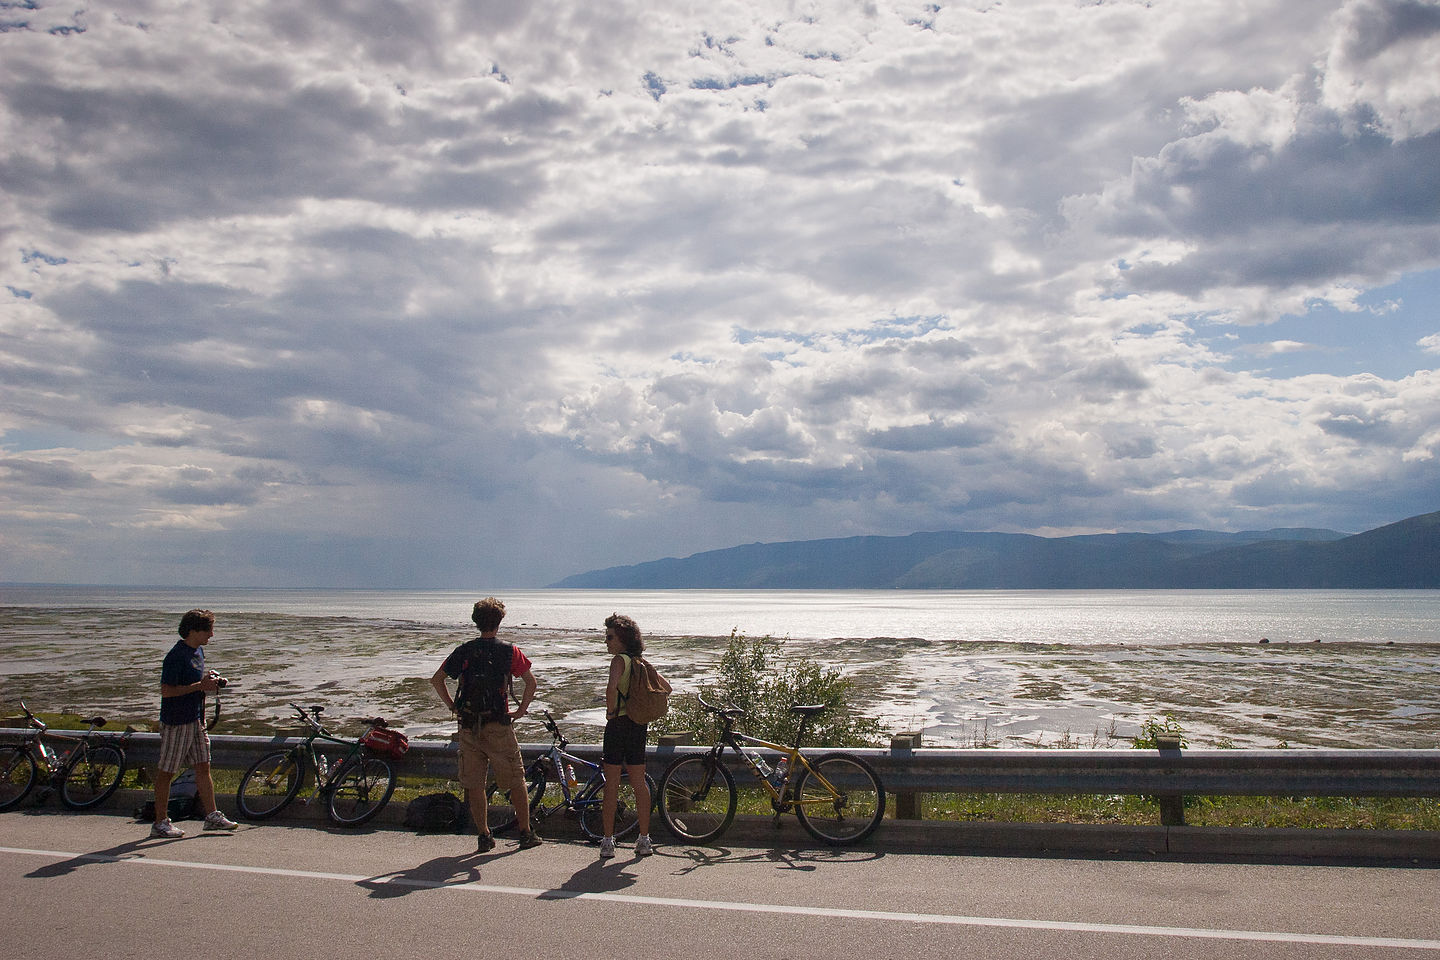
(529, 839)
(607, 848)
(643, 846)
(167, 830)
(215, 820)
(485, 843)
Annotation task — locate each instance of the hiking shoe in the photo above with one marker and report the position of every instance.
(643, 846)
(485, 843)
(529, 839)
(215, 820)
(607, 848)
(167, 830)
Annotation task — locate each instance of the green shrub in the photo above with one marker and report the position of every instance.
(754, 676)
(1154, 728)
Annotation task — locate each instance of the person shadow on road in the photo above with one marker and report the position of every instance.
(593, 878)
(433, 874)
(124, 851)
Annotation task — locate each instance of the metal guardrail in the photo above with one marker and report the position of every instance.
(1167, 774)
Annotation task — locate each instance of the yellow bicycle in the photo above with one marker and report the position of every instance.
(837, 796)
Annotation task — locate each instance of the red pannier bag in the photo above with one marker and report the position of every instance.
(386, 742)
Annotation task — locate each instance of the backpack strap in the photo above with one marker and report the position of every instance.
(627, 680)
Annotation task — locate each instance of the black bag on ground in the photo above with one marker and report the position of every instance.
(437, 813)
(184, 800)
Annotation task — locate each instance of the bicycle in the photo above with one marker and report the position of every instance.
(586, 800)
(86, 775)
(837, 797)
(355, 788)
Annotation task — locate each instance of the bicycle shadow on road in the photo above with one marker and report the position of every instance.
(792, 858)
(434, 874)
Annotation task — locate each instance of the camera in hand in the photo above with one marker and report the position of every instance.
(220, 681)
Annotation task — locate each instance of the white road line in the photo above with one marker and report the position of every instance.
(1201, 933)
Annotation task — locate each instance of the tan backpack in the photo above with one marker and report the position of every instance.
(649, 697)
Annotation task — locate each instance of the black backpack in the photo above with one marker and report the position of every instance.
(437, 813)
(483, 693)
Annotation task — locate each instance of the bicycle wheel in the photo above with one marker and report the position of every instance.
(697, 798)
(627, 810)
(17, 776)
(502, 812)
(91, 775)
(361, 791)
(269, 784)
(851, 811)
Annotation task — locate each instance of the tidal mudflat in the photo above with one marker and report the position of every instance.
(1366, 692)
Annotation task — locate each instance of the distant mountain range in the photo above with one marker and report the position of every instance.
(1400, 555)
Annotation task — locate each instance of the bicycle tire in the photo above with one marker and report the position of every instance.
(17, 776)
(849, 819)
(697, 798)
(361, 791)
(91, 775)
(501, 816)
(627, 811)
(270, 783)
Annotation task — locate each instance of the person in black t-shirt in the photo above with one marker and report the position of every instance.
(484, 668)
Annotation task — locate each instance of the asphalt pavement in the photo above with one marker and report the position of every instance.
(95, 884)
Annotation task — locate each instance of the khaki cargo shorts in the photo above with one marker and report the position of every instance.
(486, 745)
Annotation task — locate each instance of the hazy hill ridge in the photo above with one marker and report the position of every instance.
(1399, 555)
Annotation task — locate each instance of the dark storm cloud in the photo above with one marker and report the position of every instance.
(930, 436)
(51, 474)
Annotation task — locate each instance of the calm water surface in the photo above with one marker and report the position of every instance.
(1341, 668)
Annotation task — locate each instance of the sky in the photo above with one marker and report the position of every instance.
(483, 294)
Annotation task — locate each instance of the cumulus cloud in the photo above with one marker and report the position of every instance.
(498, 292)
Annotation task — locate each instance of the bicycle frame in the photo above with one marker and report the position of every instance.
(837, 797)
(93, 766)
(355, 788)
(782, 798)
(44, 754)
(586, 793)
(326, 774)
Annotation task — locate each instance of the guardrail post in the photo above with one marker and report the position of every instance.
(909, 804)
(1172, 805)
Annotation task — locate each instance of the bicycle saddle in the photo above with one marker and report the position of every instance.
(809, 709)
(96, 721)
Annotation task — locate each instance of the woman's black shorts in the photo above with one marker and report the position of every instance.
(624, 742)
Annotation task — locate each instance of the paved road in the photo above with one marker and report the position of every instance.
(76, 885)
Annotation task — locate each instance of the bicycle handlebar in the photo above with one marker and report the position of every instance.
(33, 720)
(731, 713)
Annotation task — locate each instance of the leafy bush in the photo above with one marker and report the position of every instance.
(754, 676)
(1155, 727)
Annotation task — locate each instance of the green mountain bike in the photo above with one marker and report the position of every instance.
(355, 788)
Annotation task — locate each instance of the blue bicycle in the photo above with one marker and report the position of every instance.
(576, 785)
